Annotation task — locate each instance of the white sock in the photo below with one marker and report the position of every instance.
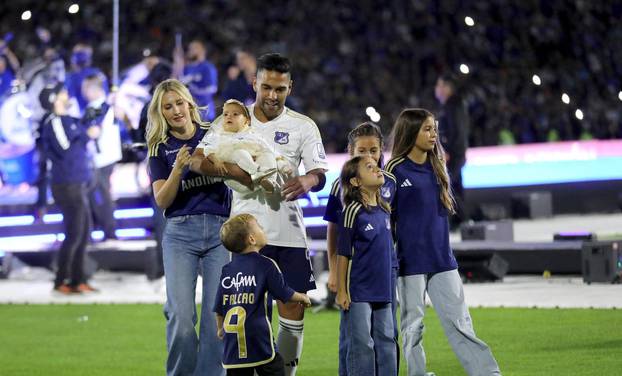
(289, 343)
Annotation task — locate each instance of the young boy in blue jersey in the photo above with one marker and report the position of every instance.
(242, 303)
(364, 140)
(421, 206)
(364, 271)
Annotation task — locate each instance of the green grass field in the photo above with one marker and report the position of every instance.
(129, 340)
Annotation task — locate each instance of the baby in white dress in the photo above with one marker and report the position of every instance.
(236, 143)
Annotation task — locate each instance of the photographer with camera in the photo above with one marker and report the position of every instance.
(105, 150)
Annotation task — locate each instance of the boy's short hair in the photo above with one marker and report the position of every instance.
(235, 232)
(240, 104)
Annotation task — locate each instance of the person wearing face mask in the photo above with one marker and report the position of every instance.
(195, 208)
(81, 68)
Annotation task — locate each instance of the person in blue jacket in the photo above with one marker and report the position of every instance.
(64, 141)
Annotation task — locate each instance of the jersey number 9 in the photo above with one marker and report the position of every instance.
(237, 328)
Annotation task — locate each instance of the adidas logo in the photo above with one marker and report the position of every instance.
(406, 183)
(369, 227)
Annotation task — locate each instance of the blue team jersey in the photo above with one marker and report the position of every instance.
(420, 220)
(202, 81)
(197, 194)
(334, 205)
(6, 78)
(366, 240)
(242, 299)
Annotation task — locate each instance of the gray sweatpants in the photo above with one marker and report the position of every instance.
(447, 295)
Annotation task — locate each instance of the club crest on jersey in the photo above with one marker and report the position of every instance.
(386, 192)
(281, 138)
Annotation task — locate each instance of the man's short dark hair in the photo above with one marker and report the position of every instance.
(273, 62)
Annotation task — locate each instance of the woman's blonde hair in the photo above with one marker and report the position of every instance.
(157, 127)
(405, 132)
(352, 193)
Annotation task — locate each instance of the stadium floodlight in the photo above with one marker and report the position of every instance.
(469, 21)
(565, 98)
(620, 95)
(373, 114)
(464, 68)
(536, 80)
(578, 114)
(73, 8)
(26, 15)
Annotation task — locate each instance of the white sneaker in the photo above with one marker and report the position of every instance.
(270, 183)
(261, 174)
(266, 179)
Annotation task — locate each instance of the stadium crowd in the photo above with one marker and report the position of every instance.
(382, 54)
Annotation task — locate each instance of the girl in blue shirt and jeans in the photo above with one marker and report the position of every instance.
(364, 264)
(422, 203)
(364, 140)
(195, 208)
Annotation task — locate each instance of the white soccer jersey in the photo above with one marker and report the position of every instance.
(297, 138)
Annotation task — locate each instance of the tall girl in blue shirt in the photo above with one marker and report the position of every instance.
(422, 203)
(364, 268)
(195, 208)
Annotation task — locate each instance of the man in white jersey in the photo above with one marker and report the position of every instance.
(297, 138)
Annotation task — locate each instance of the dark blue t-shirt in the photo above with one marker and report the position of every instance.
(197, 194)
(64, 142)
(202, 80)
(334, 205)
(242, 299)
(420, 220)
(366, 240)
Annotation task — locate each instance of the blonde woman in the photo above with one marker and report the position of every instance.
(195, 208)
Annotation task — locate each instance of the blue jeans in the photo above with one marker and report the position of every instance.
(343, 350)
(447, 295)
(189, 244)
(369, 339)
